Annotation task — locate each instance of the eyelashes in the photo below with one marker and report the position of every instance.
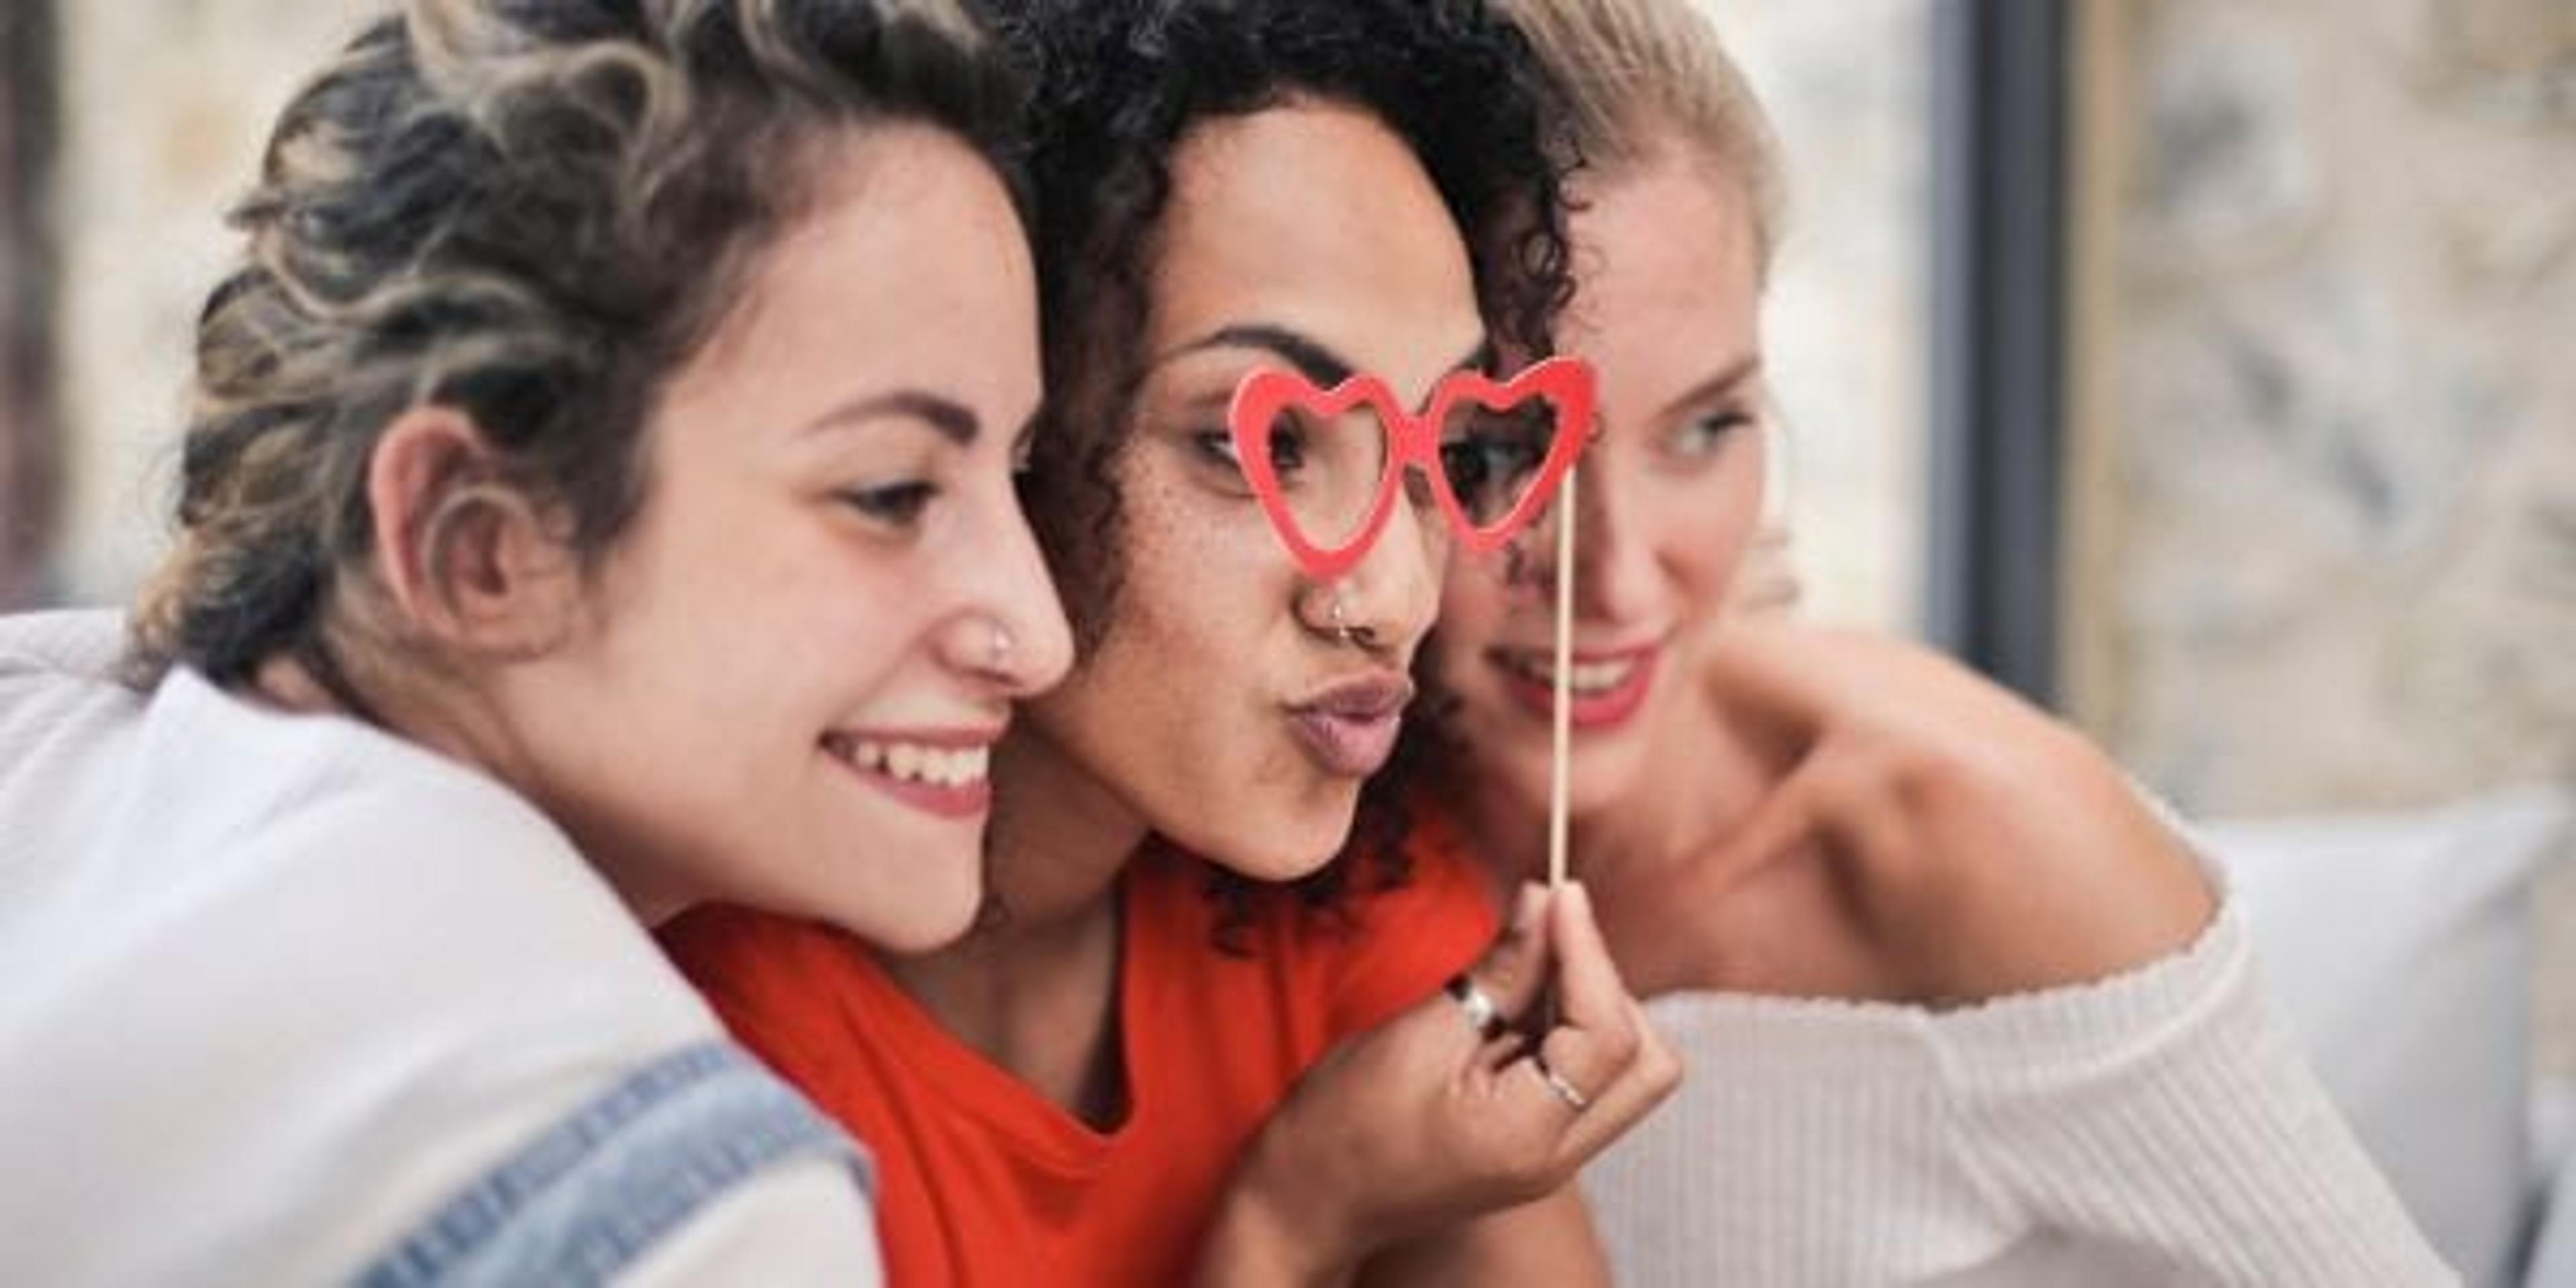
(1215, 447)
(894, 506)
(1701, 436)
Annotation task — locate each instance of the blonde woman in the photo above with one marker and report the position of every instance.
(1956, 1002)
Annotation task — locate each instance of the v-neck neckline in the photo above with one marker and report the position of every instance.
(977, 1084)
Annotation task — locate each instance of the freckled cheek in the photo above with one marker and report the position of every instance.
(1220, 630)
(1211, 571)
(1164, 701)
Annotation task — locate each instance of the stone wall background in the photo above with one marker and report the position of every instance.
(164, 105)
(2339, 411)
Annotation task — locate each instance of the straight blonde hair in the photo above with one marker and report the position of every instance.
(1642, 75)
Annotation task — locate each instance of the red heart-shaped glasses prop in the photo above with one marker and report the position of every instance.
(1374, 476)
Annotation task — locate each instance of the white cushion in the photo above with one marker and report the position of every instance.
(2397, 948)
(2553, 1244)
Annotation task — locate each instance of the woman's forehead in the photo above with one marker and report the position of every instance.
(1318, 219)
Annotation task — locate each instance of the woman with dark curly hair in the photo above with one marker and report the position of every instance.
(598, 499)
(1077, 1093)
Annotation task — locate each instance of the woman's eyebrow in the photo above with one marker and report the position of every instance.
(1312, 358)
(1728, 377)
(954, 420)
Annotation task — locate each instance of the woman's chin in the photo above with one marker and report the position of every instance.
(1283, 851)
(1600, 779)
(926, 920)
(1284, 863)
(918, 934)
(1598, 789)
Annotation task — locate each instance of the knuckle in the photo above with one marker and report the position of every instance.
(1663, 1069)
(1617, 1045)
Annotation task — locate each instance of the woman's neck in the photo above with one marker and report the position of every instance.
(1613, 841)
(1035, 989)
(1636, 853)
(1059, 837)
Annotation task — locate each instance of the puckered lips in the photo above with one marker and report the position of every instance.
(942, 772)
(1348, 726)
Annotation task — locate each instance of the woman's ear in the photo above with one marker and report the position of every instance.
(464, 558)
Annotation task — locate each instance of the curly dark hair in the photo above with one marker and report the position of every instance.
(1116, 85)
(531, 211)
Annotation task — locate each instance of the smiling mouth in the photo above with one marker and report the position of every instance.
(1588, 679)
(950, 781)
(1603, 691)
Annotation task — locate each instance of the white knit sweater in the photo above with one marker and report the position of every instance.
(2155, 1128)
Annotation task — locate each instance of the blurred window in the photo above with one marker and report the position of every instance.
(1913, 324)
(1848, 87)
(26, 297)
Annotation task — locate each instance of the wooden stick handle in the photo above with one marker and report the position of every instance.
(1562, 710)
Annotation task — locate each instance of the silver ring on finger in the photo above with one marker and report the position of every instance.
(1558, 1087)
(1484, 1015)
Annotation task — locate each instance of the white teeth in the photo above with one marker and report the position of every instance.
(919, 763)
(1587, 678)
(1601, 677)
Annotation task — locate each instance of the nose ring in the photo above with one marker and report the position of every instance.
(1339, 612)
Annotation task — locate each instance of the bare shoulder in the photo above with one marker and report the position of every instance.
(1921, 833)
